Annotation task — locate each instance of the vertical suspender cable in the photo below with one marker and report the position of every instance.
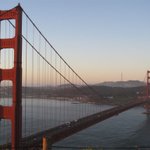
(55, 67)
(25, 107)
(56, 110)
(32, 98)
(39, 80)
(45, 87)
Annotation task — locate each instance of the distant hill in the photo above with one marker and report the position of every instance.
(124, 84)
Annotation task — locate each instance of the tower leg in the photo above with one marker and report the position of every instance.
(13, 112)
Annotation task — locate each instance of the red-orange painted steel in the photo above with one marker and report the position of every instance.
(148, 82)
(147, 105)
(14, 112)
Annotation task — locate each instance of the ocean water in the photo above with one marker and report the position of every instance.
(128, 129)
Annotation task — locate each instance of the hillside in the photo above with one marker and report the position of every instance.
(112, 93)
(124, 84)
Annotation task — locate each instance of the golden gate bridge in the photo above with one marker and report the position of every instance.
(37, 86)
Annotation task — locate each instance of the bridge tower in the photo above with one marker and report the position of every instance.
(148, 84)
(13, 112)
(147, 105)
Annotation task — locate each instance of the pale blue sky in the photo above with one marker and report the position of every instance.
(98, 38)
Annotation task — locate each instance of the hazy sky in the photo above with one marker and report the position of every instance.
(98, 38)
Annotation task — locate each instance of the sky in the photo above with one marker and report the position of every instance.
(100, 39)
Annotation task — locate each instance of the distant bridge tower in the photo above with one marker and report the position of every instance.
(13, 112)
(147, 105)
(148, 84)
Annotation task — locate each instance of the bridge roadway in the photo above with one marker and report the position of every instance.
(58, 133)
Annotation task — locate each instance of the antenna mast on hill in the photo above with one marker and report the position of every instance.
(121, 76)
